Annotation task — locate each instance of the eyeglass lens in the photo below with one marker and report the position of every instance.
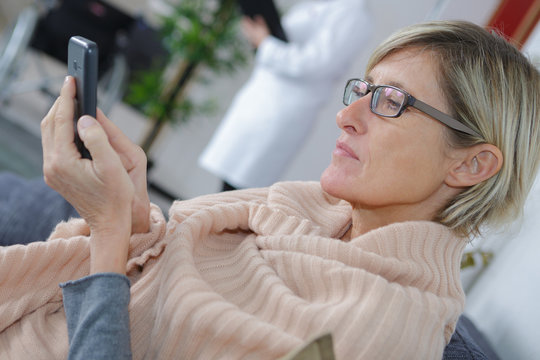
(386, 101)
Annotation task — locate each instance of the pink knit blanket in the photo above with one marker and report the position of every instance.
(250, 274)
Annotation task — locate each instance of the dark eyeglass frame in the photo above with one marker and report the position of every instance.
(409, 100)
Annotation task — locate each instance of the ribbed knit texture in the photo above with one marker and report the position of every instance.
(250, 274)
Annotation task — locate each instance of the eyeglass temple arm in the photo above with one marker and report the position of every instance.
(442, 117)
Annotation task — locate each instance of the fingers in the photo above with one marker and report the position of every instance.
(130, 153)
(47, 130)
(255, 30)
(134, 160)
(63, 118)
(57, 125)
(68, 88)
(259, 20)
(247, 24)
(96, 141)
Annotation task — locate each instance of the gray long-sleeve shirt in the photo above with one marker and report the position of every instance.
(97, 316)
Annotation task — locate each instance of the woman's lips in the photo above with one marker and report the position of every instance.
(343, 150)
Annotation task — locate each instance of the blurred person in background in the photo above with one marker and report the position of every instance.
(272, 115)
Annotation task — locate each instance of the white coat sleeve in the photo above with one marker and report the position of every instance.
(339, 38)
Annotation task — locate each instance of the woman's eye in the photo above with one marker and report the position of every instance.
(358, 91)
(393, 99)
(392, 105)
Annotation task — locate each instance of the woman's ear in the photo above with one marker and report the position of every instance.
(474, 165)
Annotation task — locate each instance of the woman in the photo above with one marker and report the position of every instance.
(440, 137)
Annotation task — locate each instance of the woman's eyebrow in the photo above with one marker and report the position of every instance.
(398, 85)
(369, 79)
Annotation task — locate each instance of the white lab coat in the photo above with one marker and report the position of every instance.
(272, 114)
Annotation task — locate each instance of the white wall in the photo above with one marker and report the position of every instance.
(503, 302)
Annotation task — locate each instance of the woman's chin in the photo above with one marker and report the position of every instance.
(339, 182)
(330, 181)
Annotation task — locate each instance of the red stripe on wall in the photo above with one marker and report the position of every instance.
(516, 19)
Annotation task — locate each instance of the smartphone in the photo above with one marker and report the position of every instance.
(83, 66)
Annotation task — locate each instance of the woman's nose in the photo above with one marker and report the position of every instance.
(352, 119)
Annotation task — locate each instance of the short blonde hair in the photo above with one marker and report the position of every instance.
(491, 87)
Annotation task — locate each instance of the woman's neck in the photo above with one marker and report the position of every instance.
(367, 219)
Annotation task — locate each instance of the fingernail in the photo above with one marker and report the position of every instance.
(86, 121)
(66, 79)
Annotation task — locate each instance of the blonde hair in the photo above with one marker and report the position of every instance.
(491, 87)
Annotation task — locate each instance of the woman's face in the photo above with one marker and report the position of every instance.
(398, 164)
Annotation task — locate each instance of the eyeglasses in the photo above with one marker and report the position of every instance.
(390, 101)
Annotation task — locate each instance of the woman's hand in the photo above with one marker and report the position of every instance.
(109, 191)
(255, 30)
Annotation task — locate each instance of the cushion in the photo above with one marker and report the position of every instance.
(468, 342)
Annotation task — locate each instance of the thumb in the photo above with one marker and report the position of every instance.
(94, 138)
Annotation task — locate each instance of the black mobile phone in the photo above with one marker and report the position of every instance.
(83, 66)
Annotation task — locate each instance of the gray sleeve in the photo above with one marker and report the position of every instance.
(97, 316)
